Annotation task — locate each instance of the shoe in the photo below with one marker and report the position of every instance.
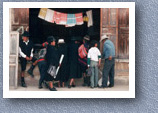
(52, 89)
(103, 87)
(110, 86)
(30, 73)
(69, 86)
(23, 84)
(73, 85)
(92, 87)
(40, 87)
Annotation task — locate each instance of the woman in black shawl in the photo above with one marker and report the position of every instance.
(52, 58)
(74, 71)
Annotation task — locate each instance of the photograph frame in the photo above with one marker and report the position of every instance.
(69, 94)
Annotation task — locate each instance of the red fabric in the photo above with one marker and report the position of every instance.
(57, 19)
(40, 60)
(79, 18)
(63, 18)
(82, 51)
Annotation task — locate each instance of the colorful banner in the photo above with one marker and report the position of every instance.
(42, 13)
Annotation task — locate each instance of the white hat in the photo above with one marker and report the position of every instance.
(103, 37)
(61, 41)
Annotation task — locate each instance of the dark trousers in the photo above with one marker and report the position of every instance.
(108, 71)
(43, 69)
(23, 62)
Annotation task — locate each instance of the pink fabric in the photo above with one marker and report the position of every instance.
(58, 15)
(63, 18)
(79, 18)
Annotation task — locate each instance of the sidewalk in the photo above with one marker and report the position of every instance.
(121, 84)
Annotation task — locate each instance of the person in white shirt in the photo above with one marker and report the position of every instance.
(94, 60)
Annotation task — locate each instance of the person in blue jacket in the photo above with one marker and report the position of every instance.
(109, 65)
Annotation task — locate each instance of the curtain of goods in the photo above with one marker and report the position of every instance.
(59, 18)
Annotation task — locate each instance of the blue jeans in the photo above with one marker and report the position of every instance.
(94, 76)
(108, 71)
(42, 69)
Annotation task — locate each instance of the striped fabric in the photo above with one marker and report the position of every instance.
(63, 19)
(71, 20)
(82, 51)
(57, 16)
(79, 18)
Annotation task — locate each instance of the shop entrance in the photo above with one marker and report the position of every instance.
(40, 29)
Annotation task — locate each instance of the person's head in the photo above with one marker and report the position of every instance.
(104, 38)
(51, 40)
(86, 39)
(25, 36)
(94, 43)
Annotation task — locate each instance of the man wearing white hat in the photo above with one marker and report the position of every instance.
(109, 65)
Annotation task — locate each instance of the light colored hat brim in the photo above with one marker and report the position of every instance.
(104, 37)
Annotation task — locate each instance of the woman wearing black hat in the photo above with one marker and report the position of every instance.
(52, 58)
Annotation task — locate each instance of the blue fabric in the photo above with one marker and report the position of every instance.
(108, 72)
(94, 76)
(71, 19)
(109, 49)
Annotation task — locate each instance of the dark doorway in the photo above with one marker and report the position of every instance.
(40, 29)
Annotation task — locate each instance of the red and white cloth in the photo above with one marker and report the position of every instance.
(63, 19)
(79, 18)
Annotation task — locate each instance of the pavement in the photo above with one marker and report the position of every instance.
(121, 84)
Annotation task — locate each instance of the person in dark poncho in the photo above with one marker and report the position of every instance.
(63, 71)
(73, 62)
(52, 58)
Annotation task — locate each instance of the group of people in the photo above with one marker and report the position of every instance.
(78, 61)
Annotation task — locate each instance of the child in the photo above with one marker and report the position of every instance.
(94, 60)
(42, 64)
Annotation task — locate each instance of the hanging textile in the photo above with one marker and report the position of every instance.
(42, 13)
(63, 19)
(79, 18)
(57, 16)
(49, 15)
(90, 18)
(71, 20)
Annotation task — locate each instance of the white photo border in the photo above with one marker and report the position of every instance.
(69, 94)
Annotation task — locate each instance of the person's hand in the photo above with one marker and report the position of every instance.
(59, 65)
(98, 65)
(30, 58)
(27, 58)
(110, 57)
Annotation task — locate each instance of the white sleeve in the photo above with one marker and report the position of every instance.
(99, 54)
(89, 54)
(31, 53)
(21, 53)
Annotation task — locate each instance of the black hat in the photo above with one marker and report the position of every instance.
(86, 38)
(50, 39)
(26, 34)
